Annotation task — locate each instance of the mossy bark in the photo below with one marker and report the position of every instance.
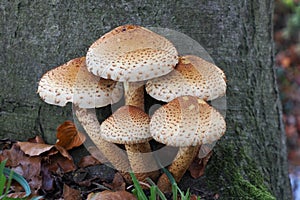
(36, 36)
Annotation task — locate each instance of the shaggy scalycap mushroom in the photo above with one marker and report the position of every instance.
(131, 53)
(185, 122)
(72, 82)
(127, 125)
(192, 76)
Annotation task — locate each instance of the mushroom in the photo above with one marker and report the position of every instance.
(129, 125)
(132, 54)
(71, 82)
(185, 122)
(192, 76)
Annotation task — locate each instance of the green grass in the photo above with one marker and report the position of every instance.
(6, 177)
(155, 192)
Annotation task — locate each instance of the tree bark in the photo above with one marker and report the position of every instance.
(249, 161)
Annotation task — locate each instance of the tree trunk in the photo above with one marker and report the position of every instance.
(250, 160)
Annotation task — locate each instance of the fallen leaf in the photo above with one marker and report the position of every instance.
(34, 149)
(70, 193)
(63, 152)
(36, 139)
(26, 166)
(48, 179)
(6, 143)
(109, 195)
(118, 183)
(68, 136)
(58, 163)
(193, 197)
(198, 165)
(88, 161)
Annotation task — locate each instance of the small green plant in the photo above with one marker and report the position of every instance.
(6, 177)
(156, 192)
(5, 182)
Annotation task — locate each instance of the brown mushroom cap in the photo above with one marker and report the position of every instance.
(187, 121)
(72, 82)
(131, 53)
(192, 76)
(127, 125)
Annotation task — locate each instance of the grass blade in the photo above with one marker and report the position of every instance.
(158, 191)
(153, 190)
(9, 179)
(2, 183)
(174, 191)
(187, 195)
(19, 179)
(140, 193)
(2, 178)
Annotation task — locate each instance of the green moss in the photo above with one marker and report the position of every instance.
(244, 189)
(237, 174)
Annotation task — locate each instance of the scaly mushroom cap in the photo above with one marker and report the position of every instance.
(131, 53)
(187, 121)
(72, 82)
(127, 125)
(192, 76)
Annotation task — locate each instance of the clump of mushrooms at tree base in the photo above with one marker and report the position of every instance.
(127, 61)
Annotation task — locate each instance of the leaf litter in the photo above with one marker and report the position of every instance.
(51, 172)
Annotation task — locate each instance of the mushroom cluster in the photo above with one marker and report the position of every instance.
(125, 62)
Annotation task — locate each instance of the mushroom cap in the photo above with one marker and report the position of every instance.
(127, 125)
(131, 53)
(71, 82)
(192, 76)
(187, 121)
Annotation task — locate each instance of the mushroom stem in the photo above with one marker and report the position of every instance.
(134, 94)
(142, 161)
(113, 153)
(181, 163)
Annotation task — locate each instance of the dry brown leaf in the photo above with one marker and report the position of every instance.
(34, 149)
(70, 193)
(109, 195)
(68, 136)
(48, 180)
(28, 167)
(37, 162)
(67, 165)
(58, 163)
(55, 164)
(118, 183)
(36, 139)
(198, 165)
(193, 197)
(88, 161)
(63, 152)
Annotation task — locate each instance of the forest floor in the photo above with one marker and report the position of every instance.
(55, 171)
